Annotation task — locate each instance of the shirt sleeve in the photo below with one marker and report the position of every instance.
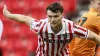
(34, 25)
(80, 31)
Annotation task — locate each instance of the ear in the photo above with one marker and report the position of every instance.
(92, 3)
(62, 15)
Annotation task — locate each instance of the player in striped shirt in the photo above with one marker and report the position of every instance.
(54, 32)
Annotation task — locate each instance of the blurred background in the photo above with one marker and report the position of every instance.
(17, 38)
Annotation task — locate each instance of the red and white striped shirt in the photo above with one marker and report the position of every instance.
(50, 44)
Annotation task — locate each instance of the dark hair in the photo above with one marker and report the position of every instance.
(55, 7)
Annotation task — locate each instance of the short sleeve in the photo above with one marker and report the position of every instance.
(34, 25)
(80, 31)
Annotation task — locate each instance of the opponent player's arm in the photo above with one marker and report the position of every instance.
(17, 17)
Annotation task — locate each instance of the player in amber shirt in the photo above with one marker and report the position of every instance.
(90, 20)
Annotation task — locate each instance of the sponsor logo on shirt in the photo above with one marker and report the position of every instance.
(56, 41)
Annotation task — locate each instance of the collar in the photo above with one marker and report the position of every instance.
(60, 32)
(92, 10)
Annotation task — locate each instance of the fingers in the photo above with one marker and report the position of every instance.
(5, 11)
(5, 8)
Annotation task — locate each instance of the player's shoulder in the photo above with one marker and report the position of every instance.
(44, 20)
(67, 21)
(89, 14)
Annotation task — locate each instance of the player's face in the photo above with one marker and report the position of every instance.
(55, 19)
(96, 5)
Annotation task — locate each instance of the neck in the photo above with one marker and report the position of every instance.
(96, 10)
(57, 29)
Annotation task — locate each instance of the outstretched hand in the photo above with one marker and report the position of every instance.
(17, 17)
(6, 12)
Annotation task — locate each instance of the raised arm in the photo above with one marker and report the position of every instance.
(17, 17)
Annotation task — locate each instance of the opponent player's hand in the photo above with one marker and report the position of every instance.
(6, 12)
